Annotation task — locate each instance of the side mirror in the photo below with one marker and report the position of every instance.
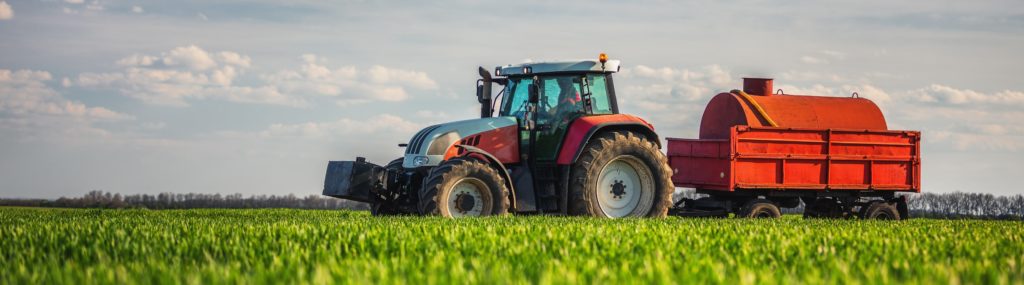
(534, 93)
(480, 93)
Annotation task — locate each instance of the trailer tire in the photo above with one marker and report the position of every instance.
(636, 160)
(383, 207)
(759, 208)
(880, 210)
(456, 188)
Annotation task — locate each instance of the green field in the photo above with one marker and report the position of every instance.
(45, 246)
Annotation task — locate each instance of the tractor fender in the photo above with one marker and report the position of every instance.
(583, 129)
(472, 151)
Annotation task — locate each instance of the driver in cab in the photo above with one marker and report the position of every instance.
(569, 101)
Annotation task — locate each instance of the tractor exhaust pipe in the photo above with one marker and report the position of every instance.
(483, 92)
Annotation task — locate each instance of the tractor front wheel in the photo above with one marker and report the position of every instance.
(464, 187)
(621, 174)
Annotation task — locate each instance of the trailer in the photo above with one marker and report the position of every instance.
(760, 151)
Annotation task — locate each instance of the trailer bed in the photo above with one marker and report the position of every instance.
(767, 158)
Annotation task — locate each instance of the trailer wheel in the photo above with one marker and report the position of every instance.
(463, 187)
(385, 206)
(880, 210)
(620, 174)
(759, 208)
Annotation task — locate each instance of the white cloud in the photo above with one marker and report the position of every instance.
(192, 73)
(95, 6)
(834, 54)
(24, 93)
(137, 9)
(191, 56)
(874, 93)
(6, 13)
(393, 94)
(823, 57)
(671, 98)
(341, 128)
(383, 75)
(812, 60)
(352, 85)
(937, 93)
(31, 111)
(186, 73)
(74, 1)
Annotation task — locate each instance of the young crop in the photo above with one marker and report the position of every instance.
(41, 246)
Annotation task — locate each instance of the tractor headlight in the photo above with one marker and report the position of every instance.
(442, 142)
(420, 161)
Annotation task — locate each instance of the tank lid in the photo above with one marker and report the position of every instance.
(757, 86)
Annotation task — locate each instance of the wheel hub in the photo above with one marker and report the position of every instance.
(464, 202)
(618, 189)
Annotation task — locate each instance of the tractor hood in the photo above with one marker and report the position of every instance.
(428, 146)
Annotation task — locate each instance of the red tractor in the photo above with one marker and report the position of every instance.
(551, 140)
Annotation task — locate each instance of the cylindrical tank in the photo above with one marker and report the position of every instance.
(787, 111)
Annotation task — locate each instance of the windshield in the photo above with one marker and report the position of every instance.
(559, 97)
(516, 93)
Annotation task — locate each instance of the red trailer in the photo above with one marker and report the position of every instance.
(759, 151)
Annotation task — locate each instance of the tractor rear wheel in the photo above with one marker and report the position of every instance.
(880, 210)
(385, 206)
(464, 187)
(759, 208)
(620, 174)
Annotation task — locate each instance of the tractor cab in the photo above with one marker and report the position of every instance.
(562, 92)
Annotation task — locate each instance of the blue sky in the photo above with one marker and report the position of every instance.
(254, 97)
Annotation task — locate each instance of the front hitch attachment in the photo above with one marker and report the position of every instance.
(354, 180)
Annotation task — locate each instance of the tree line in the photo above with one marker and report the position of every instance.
(931, 205)
(100, 199)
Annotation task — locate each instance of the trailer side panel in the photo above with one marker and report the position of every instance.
(763, 158)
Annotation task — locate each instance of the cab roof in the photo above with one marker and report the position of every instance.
(557, 67)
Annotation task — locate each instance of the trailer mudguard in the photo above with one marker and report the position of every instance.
(583, 129)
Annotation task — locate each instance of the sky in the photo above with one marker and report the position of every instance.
(254, 97)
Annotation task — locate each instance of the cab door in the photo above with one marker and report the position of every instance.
(559, 104)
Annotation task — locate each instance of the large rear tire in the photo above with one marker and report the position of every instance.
(464, 187)
(384, 206)
(620, 174)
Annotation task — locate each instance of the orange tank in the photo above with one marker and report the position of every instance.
(756, 106)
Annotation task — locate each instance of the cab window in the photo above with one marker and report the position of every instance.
(599, 99)
(560, 98)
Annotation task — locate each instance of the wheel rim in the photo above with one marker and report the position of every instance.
(469, 198)
(625, 188)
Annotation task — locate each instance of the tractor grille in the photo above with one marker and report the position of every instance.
(417, 140)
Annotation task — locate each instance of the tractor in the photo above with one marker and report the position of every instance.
(550, 141)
